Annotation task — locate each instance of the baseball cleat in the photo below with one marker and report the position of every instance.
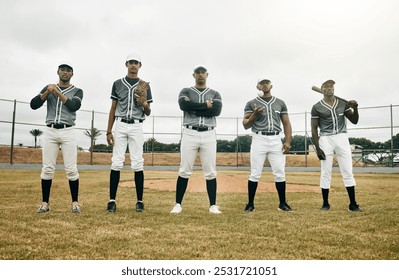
(45, 207)
(214, 209)
(111, 207)
(176, 209)
(354, 207)
(284, 207)
(75, 207)
(249, 208)
(139, 206)
(325, 207)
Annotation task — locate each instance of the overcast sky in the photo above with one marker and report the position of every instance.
(296, 44)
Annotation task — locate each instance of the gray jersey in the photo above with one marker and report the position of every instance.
(192, 102)
(57, 112)
(270, 120)
(123, 92)
(332, 119)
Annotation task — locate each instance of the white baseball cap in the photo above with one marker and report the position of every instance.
(65, 63)
(133, 56)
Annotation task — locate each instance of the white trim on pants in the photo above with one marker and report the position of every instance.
(338, 143)
(124, 134)
(269, 147)
(193, 142)
(52, 141)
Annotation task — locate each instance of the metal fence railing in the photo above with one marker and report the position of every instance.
(376, 123)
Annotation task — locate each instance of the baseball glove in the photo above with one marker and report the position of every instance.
(140, 92)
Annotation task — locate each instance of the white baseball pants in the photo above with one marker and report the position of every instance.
(53, 139)
(193, 142)
(269, 147)
(124, 134)
(338, 143)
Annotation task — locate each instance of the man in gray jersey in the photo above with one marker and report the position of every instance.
(200, 105)
(128, 112)
(263, 115)
(63, 100)
(329, 115)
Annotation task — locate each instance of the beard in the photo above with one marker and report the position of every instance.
(65, 80)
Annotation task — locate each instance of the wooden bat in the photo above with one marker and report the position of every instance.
(317, 89)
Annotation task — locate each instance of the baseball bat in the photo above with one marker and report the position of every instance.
(317, 89)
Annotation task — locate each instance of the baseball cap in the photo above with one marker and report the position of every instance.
(263, 79)
(65, 63)
(200, 68)
(133, 56)
(328, 82)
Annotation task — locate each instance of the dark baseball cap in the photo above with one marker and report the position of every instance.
(328, 82)
(200, 68)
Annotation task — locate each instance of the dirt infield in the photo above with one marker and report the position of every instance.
(225, 184)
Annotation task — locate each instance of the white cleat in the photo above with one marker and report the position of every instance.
(214, 209)
(176, 209)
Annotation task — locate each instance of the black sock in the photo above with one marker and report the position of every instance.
(181, 187)
(74, 187)
(46, 186)
(139, 181)
(252, 186)
(113, 183)
(211, 189)
(351, 193)
(324, 193)
(280, 187)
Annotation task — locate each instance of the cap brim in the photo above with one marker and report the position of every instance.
(200, 68)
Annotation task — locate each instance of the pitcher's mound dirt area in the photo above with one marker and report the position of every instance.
(225, 183)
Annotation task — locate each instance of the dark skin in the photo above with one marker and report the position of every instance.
(351, 115)
(133, 67)
(249, 118)
(65, 74)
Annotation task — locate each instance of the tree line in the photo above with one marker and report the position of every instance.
(239, 144)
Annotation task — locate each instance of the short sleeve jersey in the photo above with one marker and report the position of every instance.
(332, 119)
(270, 120)
(123, 92)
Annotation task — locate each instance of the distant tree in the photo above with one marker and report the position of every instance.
(243, 143)
(298, 144)
(93, 135)
(36, 133)
(366, 143)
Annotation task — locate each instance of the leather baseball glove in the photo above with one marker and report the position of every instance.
(140, 93)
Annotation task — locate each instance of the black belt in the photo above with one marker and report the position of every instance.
(268, 133)
(58, 125)
(199, 128)
(131, 121)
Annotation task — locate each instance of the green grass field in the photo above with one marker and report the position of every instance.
(94, 234)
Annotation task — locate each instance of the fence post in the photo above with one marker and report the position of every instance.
(391, 136)
(153, 140)
(92, 138)
(306, 139)
(13, 132)
(237, 142)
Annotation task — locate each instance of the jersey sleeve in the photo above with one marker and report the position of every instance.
(36, 101)
(314, 112)
(248, 109)
(114, 95)
(74, 103)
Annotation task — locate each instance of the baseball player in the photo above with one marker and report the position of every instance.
(200, 105)
(264, 115)
(63, 100)
(128, 111)
(329, 115)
